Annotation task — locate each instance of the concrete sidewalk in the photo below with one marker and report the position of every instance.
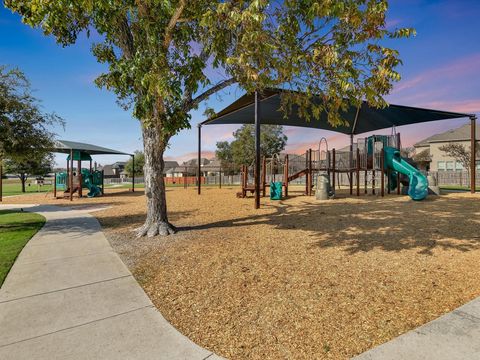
(453, 336)
(69, 296)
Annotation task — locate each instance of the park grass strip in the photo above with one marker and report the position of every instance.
(16, 228)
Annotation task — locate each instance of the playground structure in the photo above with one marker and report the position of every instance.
(81, 178)
(74, 180)
(384, 160)
(376, 159)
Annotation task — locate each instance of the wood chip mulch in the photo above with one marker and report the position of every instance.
(299, 278)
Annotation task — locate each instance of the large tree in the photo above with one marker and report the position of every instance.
(160, 55)
(241, 151)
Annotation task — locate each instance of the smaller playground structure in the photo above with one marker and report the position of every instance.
(372, 161)
(91, 179)
(74, 180)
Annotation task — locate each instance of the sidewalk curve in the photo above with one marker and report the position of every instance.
(69, 296)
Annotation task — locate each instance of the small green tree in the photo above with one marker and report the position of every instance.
(241, 151)
(139, 164)
(422, 159)
(24, 127)
(459, 153)
(37, 164)
(225, 155)
(25, 138)
(160, 57)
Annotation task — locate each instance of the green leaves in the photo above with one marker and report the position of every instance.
(164, 56)
(241, 151)
(25, 138)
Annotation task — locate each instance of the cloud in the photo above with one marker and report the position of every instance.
(391, 24)
(190, 155)
(463, 106)
(455, 70)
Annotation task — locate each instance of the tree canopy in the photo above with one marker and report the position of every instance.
(458, 152)
(241, 151)
(24, 127)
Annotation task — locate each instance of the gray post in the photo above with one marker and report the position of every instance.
(257, 151)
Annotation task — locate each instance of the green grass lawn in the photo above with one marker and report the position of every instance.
(16, 228)
(457, 187)
(15, 188)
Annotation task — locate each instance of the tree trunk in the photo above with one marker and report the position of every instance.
(23, 179)
(156, 222)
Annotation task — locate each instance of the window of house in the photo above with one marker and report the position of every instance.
(441, 165)
(458, 165)
(450, 165)
(478, 164)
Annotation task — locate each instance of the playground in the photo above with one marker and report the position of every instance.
(299, 277)
(343, 250)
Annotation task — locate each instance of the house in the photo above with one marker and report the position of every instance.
(209, 167)
(114, 170)
(169, 164)
(429, 148)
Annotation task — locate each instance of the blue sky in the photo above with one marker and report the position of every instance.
(441, 70)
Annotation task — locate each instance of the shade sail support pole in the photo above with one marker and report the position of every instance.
(133, 173)
(473, 147)
(257, 151)
(71, 175)
(199, 156)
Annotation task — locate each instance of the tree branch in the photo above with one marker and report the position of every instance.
(191, 103)
(125, 38)
(171, 24)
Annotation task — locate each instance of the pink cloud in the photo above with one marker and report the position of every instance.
(453, 71)
(190, 155)
(463, 106)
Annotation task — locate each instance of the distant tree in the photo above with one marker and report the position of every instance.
(407, 152)
(422, 158)
(241, 151)
(25, 138)
(37, 164)
(459, 153)
(164, 58)
(225, 155)
(139, 164)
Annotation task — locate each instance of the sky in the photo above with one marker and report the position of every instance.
(441, 70)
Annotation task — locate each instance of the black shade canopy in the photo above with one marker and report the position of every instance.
(64, 146)
(366, 119)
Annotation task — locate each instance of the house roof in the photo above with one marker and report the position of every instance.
(463, 133)
(170, 164)
(65, 146)
(118, 165)
(107, 170)
(193, 162)
(358, 120)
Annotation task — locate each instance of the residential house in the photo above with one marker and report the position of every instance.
(438, 159)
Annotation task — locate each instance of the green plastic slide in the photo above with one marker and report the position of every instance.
(88, 182)
(418, 183)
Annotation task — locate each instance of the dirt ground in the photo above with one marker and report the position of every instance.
(298, 278)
